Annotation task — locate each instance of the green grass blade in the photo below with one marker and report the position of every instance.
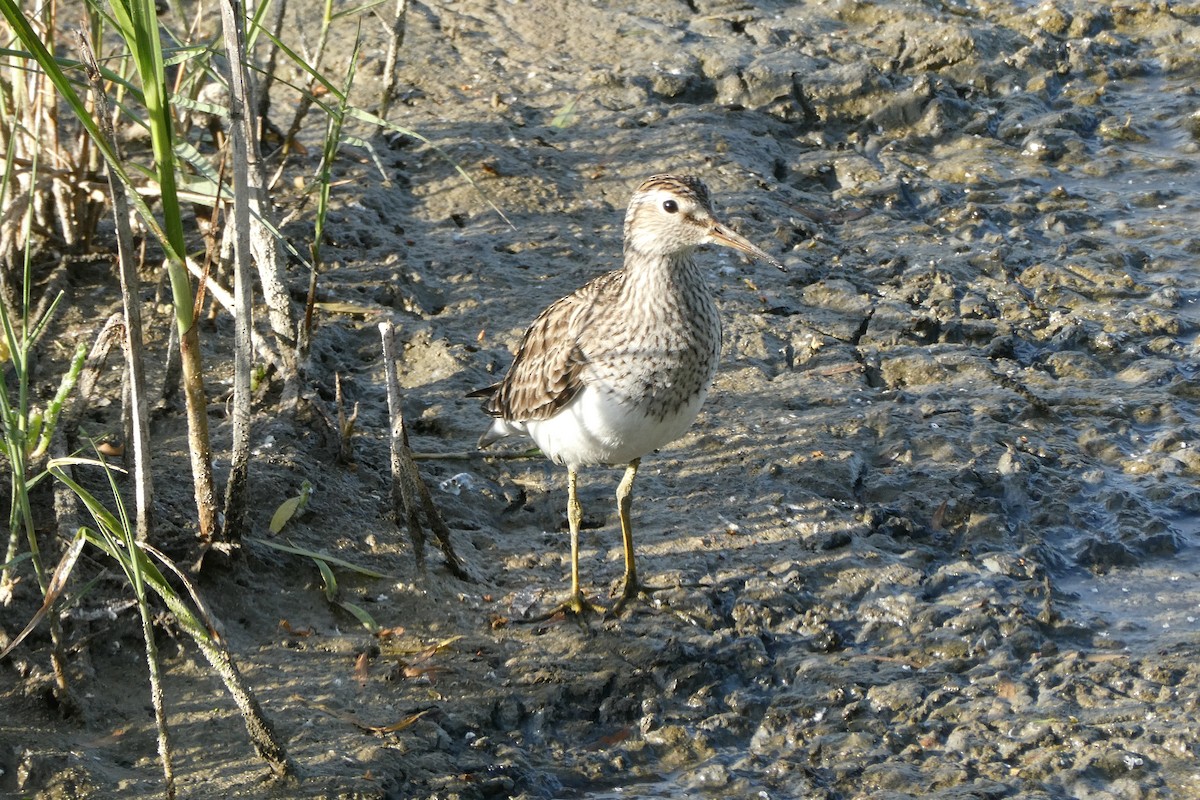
(361, 615)
(328, 579)
(300, 551)
(54, 409)
(138, 23)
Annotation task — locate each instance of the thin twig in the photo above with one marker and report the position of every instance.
(264, 99)
(404, 504)
(410, 495)
(240, 112)
(345, 423)
(165, 750)
(225, 298)
(137, 414)
(399, 22)
(204, 631)
(474, 455)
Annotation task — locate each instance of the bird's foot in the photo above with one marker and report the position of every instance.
(576, 606)
(635, 590)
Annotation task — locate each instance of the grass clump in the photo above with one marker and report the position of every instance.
(144, 119)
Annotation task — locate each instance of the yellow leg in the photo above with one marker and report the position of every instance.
(576, 603)
(633, 587)
(574, 517)
(624, 505)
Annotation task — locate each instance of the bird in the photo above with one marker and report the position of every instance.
(621, 367)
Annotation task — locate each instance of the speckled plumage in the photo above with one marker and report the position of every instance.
(621, 367)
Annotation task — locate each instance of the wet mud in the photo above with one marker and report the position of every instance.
(934, 534)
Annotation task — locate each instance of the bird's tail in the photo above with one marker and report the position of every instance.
(501, 429)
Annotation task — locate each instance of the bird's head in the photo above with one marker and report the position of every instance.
(671, 215)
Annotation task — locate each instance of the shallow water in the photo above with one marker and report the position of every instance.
(1152, 607)
(1155, 195)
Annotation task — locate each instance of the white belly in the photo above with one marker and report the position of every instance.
(596, 429)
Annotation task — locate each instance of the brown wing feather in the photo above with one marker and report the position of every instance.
(546, 372)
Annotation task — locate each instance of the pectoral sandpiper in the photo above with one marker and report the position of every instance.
(621, 367)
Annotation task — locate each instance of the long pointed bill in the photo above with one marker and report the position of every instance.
(720, 234)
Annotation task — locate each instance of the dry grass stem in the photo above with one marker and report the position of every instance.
(410, 495)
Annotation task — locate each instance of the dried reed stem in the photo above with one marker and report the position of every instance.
(410, 495)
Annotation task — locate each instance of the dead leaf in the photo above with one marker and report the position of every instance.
(351, 309)
(351, 719)
(616, 737)
(287, 626)
(110, 449)
(401, 725)
(58, 582)
(424, 653)
(412, 672)
(938, 516)
(837, 369)
(387, 633)
(362, 669)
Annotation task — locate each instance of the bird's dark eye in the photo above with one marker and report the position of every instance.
(670, 206)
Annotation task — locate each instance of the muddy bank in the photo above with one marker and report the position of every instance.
(933, 534)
